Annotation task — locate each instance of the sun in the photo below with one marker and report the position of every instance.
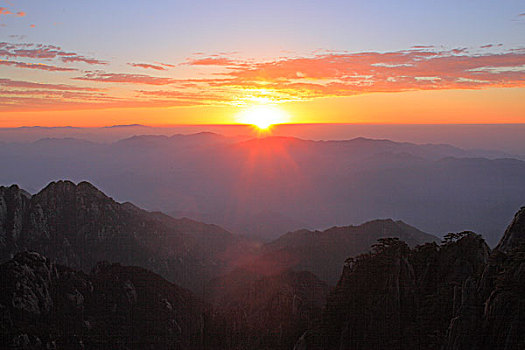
(263, 116)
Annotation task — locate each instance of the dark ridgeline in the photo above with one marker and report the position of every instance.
(323, 252)
(456, 295)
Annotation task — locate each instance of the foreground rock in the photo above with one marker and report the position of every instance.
(267, 311)
(48, 306)
(457, 295)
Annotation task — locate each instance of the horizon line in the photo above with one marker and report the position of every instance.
(137, 125)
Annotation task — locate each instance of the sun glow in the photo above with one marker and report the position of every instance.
(263, 116)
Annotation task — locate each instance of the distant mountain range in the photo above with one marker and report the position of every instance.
(265, 187)
(503, 137)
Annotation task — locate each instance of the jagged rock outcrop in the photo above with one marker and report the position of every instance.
(454, 296)
(14, 202)
(492, 311)
(49, 306)
(78, 225)
(399, 298)
(515, 233)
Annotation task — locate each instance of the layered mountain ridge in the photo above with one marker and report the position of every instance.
(235, 182)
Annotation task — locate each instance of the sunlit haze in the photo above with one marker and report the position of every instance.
(263, 116)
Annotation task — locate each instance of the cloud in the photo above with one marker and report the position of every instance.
(166, 64)
(4, 11)
(57, 94)
(357, 73)
(17, 36)
(35, 66)
(213, 61)
(146, 66)
(31, 85)
(124, 78)
(40, 51)
(293, 78)
(188, 96)
(38, 100)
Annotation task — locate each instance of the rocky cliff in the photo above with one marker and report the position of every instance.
(492, 312)
(457, 295)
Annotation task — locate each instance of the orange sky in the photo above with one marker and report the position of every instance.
(494, 105)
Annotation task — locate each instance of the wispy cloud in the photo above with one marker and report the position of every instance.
(17, 36)
(213, 61)
(124, 78)
(40, 51)
(146, 66)
(37, 100)
(166, 64)
(40, 66)
(187, 96)
(5, 11)
(32, 85)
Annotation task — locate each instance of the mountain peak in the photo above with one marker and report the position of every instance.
(514, 234)
(69, 187)
(13, 191)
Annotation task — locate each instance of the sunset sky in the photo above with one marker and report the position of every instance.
(95, 63)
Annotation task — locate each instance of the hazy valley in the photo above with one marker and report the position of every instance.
(265, 187)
